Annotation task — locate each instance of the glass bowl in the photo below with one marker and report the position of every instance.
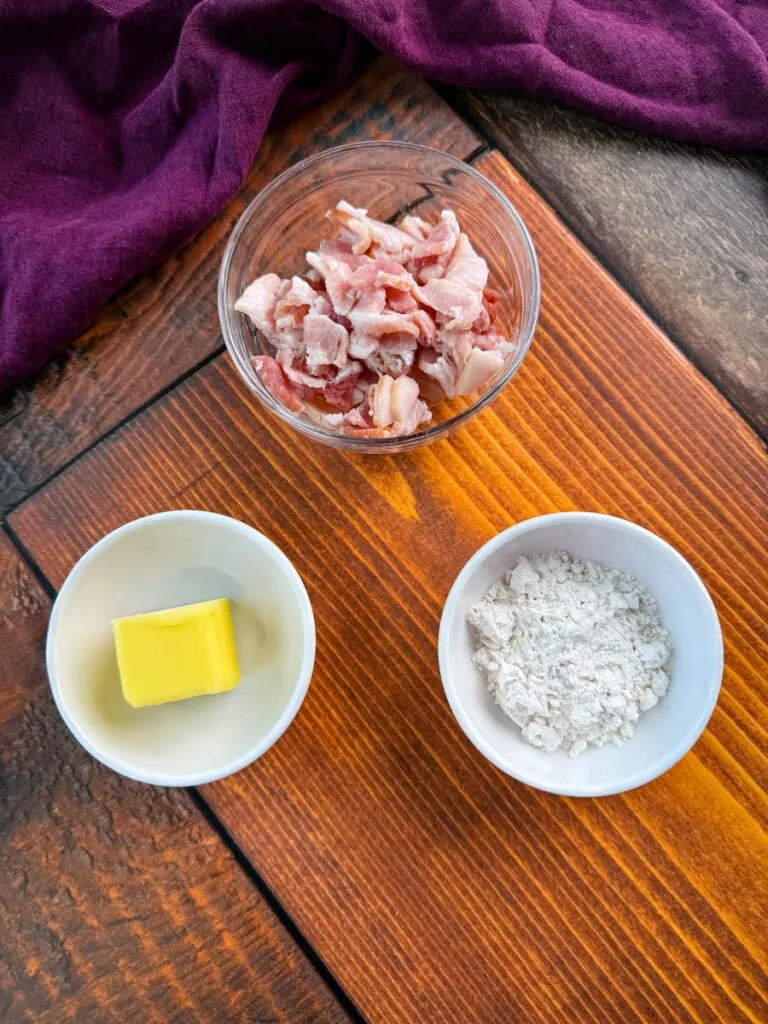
(389, 179)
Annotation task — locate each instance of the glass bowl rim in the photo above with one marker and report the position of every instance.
(369, 444)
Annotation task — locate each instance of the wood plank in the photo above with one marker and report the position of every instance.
(683, 227)
(434, 887)
(24, 610)
(119, 901)
(165, 322)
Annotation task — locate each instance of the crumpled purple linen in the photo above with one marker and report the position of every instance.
(125, 125)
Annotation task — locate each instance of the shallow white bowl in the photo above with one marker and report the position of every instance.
(161, 561)
(665, 733)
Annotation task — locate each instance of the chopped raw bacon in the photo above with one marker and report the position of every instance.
(258, 302)
(440, 368)
(466, 267)
(427, 327)
(459, 304)
(326, 342)
(417, 417)
(298, 375)
(366, 432)
(275, 381)
(395, 355)
(387, 237)
(457, 345)
(380, 398)
(396, 404)
(479, 368)
(386, 320)
(441, 239)
(338, 280)
(299, 294)
(376, 325)
(361, 345)
(415, 227)
(401, 302)
(342, 251)
(405, 395)
(341, 392)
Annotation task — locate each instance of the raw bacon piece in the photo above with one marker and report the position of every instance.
(382, 272)
(396, 403)
(401, 302)
(391, 274)
(294, 300)
(380, 398)
(376, 325)
(466, 267)
(325, 342)
(274, 380)
(299, 294)
(427, 327)
(361, 416)
(330, 420)
(429, 389)
(343, 393)
(415, 227)
(371, 302)
(417, 417)
(322, 304)
(304, 382)
(338, 280)
(405, 394)
(394, 355)
(387, 237)
(431, 269)
(258, 302)
(459, 304)
(440, 368)
(492, 341)
(361, 345)
(483, 322)
(479, 368)
(359, 423)
(366, 432)
(456, 345)
(441, 239)
(354, 220)
(342, 251)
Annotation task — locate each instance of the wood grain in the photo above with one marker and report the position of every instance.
(166, 323)
(24, 610)
(436, 888)
(684, 228)
(118, 901)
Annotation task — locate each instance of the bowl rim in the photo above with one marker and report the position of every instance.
(297, 695)
(639, 778)
(383, 444)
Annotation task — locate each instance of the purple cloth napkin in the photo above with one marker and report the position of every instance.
(125, 125)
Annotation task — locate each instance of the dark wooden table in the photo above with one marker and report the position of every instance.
(372, 866)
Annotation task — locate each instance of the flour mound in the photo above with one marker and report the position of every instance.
(573, 651)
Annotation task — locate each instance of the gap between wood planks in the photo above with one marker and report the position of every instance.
(103, 437)
(209, 815)
(496, 142)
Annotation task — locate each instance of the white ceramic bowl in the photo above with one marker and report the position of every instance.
(161, 561)
(665, 733)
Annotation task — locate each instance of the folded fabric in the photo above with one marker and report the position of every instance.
(125, 125)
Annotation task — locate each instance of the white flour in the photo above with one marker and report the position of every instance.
(574, 652)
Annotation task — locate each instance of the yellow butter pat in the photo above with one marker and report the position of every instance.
(177, 653)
